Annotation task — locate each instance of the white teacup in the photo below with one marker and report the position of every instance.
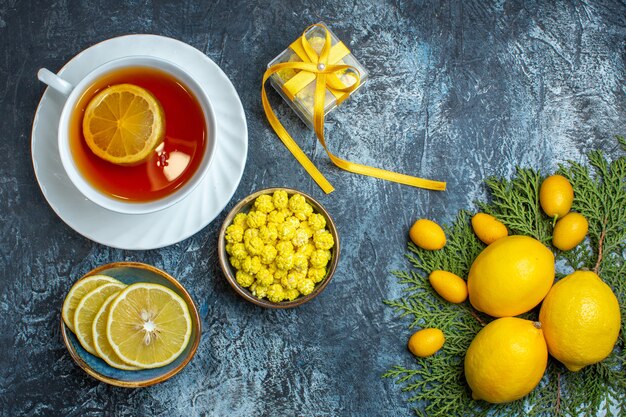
(74, 93)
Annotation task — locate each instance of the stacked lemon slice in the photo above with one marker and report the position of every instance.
(130, 327)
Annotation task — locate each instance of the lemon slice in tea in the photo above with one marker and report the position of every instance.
(149, 325)
(78, 291)
(100, 341)
(88, 308)
(123, 124)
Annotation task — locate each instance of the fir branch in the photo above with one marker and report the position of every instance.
(516, 204)
(437, 384)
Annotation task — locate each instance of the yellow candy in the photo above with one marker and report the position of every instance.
(284, 261)
(268, 254)
(306, 286)
(255, 245)
(316, 221)
(316, 274)
(276, 216)
(240, 219)
(275, 293)
(301, 238)
(284, 247)
(256, 219)
(291, 294)
(264, 277)
(289, 281)
(286, 231)
(319, 258)
(280, 249)
(268, 233)
(264, 204)
(323, 239)
(238, 251)
(280, 199)
(244, 279)
(234, 233)
(297, 203)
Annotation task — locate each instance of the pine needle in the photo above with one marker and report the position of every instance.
(437, 384)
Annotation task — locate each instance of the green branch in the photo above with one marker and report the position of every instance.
(437, 384)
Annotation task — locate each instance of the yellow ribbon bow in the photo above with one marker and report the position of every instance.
(323, 68)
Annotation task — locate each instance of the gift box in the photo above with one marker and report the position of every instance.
(314, 75)
(297, 87)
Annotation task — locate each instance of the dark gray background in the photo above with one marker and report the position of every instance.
(459, 91)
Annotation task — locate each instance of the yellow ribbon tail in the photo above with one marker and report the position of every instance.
(288, 141)
(324, 73)
(387, 175)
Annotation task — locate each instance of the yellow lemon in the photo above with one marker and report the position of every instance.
(488, 228)
(510, 276)
(506, 360)
(427, 234)
(569, 231)
(123, 124)
(88, 308)
(449, 286)
(77, 292)
(556, 196)
(148, 325)
(426, 342)
(580, 318)
(101, 343)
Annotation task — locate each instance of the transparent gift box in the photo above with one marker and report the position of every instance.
(303, 99)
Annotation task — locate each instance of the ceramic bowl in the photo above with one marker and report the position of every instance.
(244, 206)
(129, 273)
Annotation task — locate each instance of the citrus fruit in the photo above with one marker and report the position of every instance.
(87, 309)
(78, 291)
(101, 343)
(427, 234)
(506, 360)
(510, 276)
(123, 124)
(580, 318)
(148, 325)
(426, 342)
(449, 286)
(569, 231)
(488, 228)
(556, 196)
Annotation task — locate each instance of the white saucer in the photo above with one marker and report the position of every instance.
(165, 227)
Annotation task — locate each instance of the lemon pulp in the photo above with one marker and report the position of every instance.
(123, 124)
(100, 340)
(77, 292)
(148, 325)
(87, 309)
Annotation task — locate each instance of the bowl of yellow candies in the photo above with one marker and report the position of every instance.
(278, 248)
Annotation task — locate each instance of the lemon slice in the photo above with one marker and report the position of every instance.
(123, 124)
(149, 325)
(78, 291)
(100, 341)
(87, 309)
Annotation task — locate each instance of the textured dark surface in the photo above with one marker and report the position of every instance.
(459, 91)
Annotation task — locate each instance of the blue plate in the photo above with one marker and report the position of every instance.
(129, 273)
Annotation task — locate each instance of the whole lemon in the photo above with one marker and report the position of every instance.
(506, 360)
(426, 342)
(488, 228)
(510, 276)
(580, 318)
(427, 234)
(569, 231)
(449, 286)
(556, 196)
